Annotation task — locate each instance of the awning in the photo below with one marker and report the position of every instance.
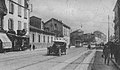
(5, 41)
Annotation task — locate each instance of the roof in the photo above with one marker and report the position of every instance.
(78, 30)
(35, 21)
(58, 21)
(35, 29)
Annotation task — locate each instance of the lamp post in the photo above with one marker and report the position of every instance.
(108, 29)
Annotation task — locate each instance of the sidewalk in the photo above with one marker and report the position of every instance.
(98, 63)
(18, 53)
(118, 66)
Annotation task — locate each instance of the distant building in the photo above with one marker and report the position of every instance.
(88, 37)
(59, 28)
(38, 36)
(100, 35)
(76, 36)
(15, 21)
(117, 21)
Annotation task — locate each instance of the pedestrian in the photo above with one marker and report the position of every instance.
(116, 52)
(69, 45)
(30, 47)
(111, 45)
(106, 53)
(33, 47)
(89, 46)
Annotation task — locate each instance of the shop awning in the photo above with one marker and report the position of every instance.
(6, 43)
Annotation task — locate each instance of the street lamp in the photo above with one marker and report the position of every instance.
(108, 29)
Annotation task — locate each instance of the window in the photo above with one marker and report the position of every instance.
(55, 25)
(48, 39)
(25, 13)
(51, 39)
(25, 26)
(1, 23)
(10, 24)
(25, 9)
(19, 8)
(44, 39)
(11, 7)
(38, 38)
(19, 25)
(33, 37)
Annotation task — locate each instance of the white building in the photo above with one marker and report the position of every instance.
(38, 36)
(17, 17)
(15, 24)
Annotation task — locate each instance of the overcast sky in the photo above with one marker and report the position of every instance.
(91, 14)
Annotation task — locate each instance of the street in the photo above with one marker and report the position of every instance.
(76, 59)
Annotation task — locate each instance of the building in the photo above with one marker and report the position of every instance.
(15, 23)
(59, 28)
(88, 37)
(76, 36)
(38, 36)
(117, 21)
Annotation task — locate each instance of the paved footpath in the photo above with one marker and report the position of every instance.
(18, 53)
(98, 63)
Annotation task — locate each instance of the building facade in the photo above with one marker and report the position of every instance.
(76, 36)
(117, 21)
(17, 17)
(15, 23)
(38, 36)
(59, 28)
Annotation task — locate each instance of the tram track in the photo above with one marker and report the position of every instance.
(41, 62)
(17, 59)
(24, 56)
(73, 65)
(46, 60)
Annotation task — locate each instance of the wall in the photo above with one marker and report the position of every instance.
(51, 26)
(40, 44)
(66, 35)
(15, 17)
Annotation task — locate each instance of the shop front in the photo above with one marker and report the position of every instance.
(19, 42)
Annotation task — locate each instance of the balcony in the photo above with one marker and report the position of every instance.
(21, 32)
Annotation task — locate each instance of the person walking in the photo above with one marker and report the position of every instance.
(30, 47)
(33, 47)
(111, 46)
(106, 53)
(89, 46)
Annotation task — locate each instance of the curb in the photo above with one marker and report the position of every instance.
(115, 64)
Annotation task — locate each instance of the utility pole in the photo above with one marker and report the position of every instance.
(108, 29)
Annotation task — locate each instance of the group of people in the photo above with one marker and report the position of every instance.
(111, 50)
(32, 47)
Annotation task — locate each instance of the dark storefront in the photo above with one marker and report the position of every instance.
(19, 41)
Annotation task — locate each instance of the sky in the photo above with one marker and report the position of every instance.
(88, 15)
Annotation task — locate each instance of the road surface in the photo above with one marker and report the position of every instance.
(76, 59)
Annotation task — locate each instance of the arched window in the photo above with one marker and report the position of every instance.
(10, 24)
